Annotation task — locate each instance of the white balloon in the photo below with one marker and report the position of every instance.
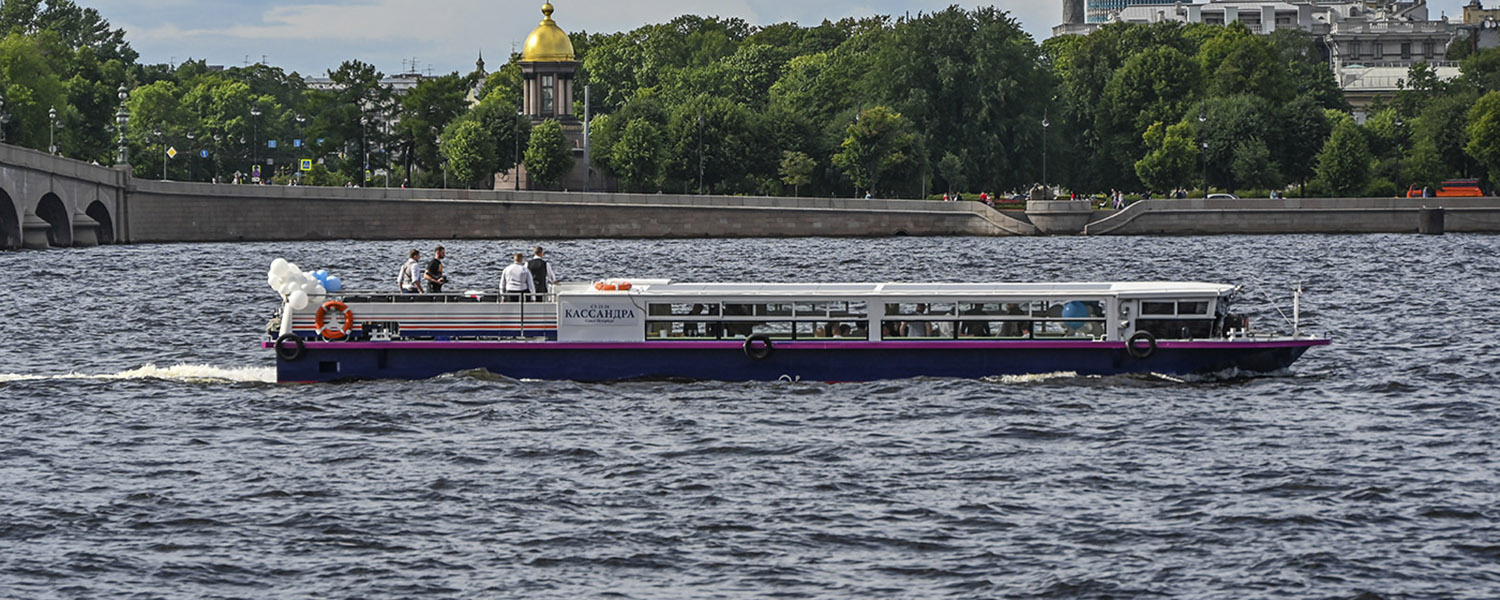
(287, 288)
(292, 267)
(279, 265)
(319, 291)
(298, 300)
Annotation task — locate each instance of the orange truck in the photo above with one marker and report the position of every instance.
(1451, 188)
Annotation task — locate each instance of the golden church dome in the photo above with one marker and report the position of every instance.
(548, 43)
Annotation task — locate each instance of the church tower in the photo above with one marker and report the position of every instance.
(548, 67)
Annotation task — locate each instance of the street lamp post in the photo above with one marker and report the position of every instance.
(700, 154)
(442, 160)
(122, 117)
(52, 130)
(255, 135)
(301, 142)
(161, 143)
(217, 138)
(4, 119)
(516, 171)
(1046, 191)
(1203, 157)
(1398, 158)
(190, 137)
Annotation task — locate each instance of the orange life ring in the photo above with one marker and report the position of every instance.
(331, 332)
(612, 285)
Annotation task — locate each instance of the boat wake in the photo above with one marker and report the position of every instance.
(179, 372)
(1030, 377)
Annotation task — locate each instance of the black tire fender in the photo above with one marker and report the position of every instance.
(1138, 352)
(293, 353)
(761, 352)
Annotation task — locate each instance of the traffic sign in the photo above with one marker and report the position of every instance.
(255, 170)
(203, 153)
(305, 164)
(172, 152)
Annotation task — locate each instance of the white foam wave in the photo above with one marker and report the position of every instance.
(178, 372)
(1031, 377)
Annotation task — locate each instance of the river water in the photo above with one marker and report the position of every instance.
(146, 453)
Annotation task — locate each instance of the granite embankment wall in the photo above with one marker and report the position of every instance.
(1304, 215)
(190, 212)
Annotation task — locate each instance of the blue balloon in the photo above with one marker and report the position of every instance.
(1075, 310)
(320, 274)
(333, 284)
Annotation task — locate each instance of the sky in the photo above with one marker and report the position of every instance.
(314, 36)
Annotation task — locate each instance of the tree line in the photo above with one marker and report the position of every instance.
(955, 100)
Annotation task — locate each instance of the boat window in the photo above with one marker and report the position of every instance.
(774, 309)
(845, 330)
(805, 309)
(738, 310)
(920, 309)
(975, 329)
(858, 309)
(685, 309)
(991, 308)
(1068, 329)
(1195, 307)
(681, 330)
(1149, 307)
(738, 330)
(916, 330)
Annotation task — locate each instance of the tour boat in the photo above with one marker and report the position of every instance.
(831, 332)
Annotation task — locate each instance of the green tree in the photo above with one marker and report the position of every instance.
(1344, 161)
(1252, 165)
(31, 88)
(1484, 132)
(951, 168)
(1172, 159)
(548, 158)
(425, 110)
(636, 156)
(880, 144)
(796, 169)
(469, 150)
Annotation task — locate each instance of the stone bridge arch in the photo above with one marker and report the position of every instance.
(10, 223)
(103, 226)
(52, 227)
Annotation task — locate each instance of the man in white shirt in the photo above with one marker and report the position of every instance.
(409, 280)
(516, 281)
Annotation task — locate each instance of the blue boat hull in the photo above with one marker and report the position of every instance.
(330, 361)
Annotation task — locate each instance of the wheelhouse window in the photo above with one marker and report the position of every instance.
(1176, 319)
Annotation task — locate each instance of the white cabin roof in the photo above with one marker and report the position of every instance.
(660, 287)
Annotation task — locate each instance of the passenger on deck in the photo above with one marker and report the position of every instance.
(409, 280)
(541, 273)
(433, 277)
(516, 281)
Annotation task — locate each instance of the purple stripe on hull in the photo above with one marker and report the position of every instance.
(812, 361)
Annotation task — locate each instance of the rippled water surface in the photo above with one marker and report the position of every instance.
(145, 454)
